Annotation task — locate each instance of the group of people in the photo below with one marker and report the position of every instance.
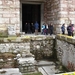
(70, 29)
(34, 27)
(47, 29)
(31, 28)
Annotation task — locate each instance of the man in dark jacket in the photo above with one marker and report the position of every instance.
(26, 27)
(63, 29)
(51, 28)
(32, 28)
(69, 30)
(29, 29)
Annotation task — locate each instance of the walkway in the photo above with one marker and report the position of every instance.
(48, 69)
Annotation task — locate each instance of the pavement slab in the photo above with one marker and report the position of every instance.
(10, 71)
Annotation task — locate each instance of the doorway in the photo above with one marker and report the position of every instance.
(30, 14)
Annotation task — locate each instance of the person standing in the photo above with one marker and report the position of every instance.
(63, 29)
(72, 29)
(36, 25)
(51, 29)
(69, 29)
(43, 27)
(29, 29)
(32, 28)
(46, 29)
(26, 27)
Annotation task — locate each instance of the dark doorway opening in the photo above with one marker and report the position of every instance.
(30, 14)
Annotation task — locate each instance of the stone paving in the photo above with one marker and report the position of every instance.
(10, 71)
(49, 69)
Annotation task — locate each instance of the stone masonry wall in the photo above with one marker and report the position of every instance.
(52, 7)
(66, 52)
(10, 15)
(59, 12)
(55, 11)
(42, 48)
(39, 46)
(67, 12)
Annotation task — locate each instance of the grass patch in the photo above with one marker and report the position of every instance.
(33, 74)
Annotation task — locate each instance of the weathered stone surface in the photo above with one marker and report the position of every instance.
(10, 13)
(3, 30)
(66, 52)
(56, 11)
(10, 71)
(59, 12)
(39, 46)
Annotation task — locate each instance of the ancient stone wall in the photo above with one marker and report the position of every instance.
(66, 51)
(59, 12)
(51, 15)
(10, 15)
(42, 48)
(39, 46)
(67, 12)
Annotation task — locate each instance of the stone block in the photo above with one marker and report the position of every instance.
(3, 31)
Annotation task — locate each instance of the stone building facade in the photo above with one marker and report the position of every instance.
(55, 11)
(59, 12)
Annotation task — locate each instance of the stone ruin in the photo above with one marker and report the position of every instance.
(26, 62)
(12, 54)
